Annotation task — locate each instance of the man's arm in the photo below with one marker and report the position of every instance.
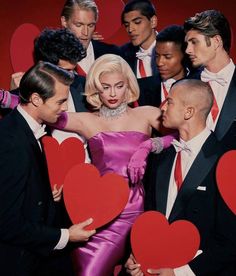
(15, 228)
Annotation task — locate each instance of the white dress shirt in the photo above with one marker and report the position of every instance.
(146, 56)
(168, 83)
(87, 62)
(188, 156)
(219, 90)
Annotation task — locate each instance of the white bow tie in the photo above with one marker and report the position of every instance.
(206, 77)
(38, 133)
(142, 55)
(179, 146)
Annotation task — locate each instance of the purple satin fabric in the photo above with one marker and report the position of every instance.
(110, 152)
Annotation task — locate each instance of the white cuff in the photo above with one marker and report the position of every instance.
(63, 239)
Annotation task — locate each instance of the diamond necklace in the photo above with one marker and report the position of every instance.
(109, 113)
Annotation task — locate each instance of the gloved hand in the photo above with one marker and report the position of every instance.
(138, 161)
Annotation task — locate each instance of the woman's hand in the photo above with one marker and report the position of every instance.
(137, 163)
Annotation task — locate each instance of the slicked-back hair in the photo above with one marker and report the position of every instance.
(211, 23)
(41, 79)
(81, 4)
(145, 7)
(53, 45)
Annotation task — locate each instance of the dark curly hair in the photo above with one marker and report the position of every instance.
(55, 44)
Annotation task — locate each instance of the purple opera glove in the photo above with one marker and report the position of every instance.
(8, 100)
(137, 163)
(61, 121)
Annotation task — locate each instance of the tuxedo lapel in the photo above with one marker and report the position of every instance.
(200, 168)
(228, 112)
(163, 178)
(27, 137)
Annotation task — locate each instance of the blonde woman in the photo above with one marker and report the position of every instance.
(116, 134)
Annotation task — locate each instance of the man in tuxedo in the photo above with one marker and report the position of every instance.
(27, 210)
(62, 48)
(171, 62)
(80, 16)
(208, 38)
(182, 183)
(140, 21)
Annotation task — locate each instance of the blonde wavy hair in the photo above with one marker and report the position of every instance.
(109, 63)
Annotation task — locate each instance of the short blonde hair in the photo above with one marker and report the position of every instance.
(109, 63)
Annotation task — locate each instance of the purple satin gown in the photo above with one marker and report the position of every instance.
(111, 152)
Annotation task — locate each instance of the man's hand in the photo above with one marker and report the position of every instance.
(132, 267)
(97, 36)
(15, 80)
(162, 272)
(56, 193)
(77, 233)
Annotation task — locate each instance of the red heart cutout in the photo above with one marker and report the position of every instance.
(158, 244)
(61, 158)
(226, 178)
(88, 195)
(22, 46)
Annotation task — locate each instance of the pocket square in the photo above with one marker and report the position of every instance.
(201, 188)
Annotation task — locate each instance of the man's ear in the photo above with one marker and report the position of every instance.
(154, 21)
(36, 100)
(218, 41)
(189, 112)
(63, 22)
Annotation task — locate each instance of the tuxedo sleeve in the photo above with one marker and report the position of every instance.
(16, 228)
(220, 250)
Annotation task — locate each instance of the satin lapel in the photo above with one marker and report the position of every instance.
(163, 171)
(228, 112)
(27, 136)
(201, 166)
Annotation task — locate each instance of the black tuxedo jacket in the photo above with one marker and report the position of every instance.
(226, 125)
(77, 93)
(27, 210)
(203, 207)
(149, 87)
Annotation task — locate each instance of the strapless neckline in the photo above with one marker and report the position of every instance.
(119, 132)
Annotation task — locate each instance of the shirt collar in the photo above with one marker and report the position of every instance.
(196, 142)
(149, 50)
(225, 73)
(33, 124)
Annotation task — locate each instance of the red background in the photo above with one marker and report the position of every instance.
(46, 13)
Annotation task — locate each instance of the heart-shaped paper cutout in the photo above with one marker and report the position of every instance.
(22, 46)
(61, 158)
(88, 195)
(226, 179)
(158, 244)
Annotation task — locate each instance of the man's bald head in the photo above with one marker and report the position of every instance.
(196, 94)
